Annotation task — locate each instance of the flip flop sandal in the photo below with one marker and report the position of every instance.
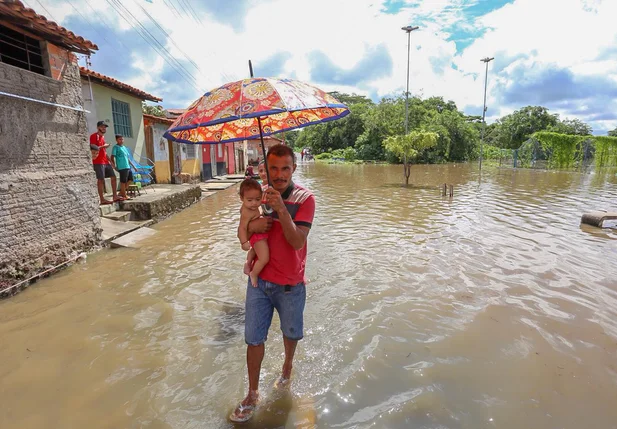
(246, 412)
(118, 199)
(282, 383)
(106, 202)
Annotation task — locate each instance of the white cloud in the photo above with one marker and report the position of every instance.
(525, 33)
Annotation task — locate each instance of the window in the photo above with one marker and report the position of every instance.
(20, 51)
(191, 153)
(122, 118)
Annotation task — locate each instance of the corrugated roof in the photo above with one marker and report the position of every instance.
(116, 84)
(159, 119)
(14, 13)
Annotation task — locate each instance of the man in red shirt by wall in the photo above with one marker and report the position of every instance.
(101, 163)
(281, 283)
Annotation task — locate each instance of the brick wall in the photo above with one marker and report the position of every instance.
(56, 60)
(48, 201)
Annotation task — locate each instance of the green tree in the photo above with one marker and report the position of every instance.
(407, 147)
(573, 127)
(156, 110)
(516, 128)
(613, 133)
(290, 137)
(457, 137)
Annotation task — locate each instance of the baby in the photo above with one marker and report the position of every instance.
(257, 244)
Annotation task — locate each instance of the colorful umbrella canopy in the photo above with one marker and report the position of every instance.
(247, 108)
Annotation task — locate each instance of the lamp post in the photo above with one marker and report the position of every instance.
(486, 61)
(408, 30)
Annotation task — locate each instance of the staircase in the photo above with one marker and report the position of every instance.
(113, 212)
(117, 223)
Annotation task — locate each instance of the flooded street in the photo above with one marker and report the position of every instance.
(491, 309)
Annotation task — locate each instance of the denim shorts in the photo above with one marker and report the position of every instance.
(260, 304)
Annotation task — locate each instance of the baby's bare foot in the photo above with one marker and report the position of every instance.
(254, 278)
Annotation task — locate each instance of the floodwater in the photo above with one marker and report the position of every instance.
(491, 309)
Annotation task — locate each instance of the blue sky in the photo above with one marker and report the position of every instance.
(568, 64)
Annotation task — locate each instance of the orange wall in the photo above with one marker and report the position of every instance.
(58, 60)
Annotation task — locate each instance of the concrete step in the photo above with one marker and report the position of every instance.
(215, 186)
(133, 239)
(224, 180)
(113, 229)
(108, 209)
(119, 215)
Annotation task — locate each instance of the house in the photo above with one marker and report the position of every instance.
(249, 151)
(48, 200)
(119, 105)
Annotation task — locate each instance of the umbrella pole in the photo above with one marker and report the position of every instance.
(263, 149)
(261, 136)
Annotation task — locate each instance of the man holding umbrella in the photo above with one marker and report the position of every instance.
(281, 284)
(244, 110)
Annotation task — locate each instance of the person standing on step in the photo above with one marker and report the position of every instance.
(101, 164)
(120, 161)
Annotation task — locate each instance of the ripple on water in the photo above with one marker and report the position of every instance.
(490, 309)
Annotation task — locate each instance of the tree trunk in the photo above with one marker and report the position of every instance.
(407, 172)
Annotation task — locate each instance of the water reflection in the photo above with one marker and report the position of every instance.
(493, 308)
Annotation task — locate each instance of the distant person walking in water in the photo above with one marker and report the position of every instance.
(281, 283)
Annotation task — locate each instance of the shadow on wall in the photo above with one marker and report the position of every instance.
(20, 125)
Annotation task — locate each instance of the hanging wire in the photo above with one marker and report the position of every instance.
(158, 47)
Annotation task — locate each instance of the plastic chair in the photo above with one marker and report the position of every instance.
(142, 173)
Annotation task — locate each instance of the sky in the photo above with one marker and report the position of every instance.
(561, 54)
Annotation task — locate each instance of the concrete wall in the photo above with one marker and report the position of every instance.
(48, 200)
(161, 154)
(100, 110)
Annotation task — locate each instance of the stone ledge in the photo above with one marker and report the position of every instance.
(161, 201)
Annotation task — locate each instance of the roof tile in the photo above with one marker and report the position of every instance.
(18, 14)
(114, 83)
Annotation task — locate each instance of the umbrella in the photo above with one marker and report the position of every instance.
(254, 107)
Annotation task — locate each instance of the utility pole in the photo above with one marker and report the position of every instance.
(486, 61)
(406, 167)
(408, 30)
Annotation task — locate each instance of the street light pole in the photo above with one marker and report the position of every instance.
(486, 61)
(408, 30)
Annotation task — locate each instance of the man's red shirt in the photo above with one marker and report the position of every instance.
(99, 140)
(286, 265)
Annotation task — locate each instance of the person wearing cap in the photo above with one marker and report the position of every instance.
(101, 163)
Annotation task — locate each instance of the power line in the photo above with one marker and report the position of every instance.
(172, 40)
(170, 5)
(174, 10)
(146, 32)
(108, 26)
(149, 38)
(48, 12)
(190, 10)
(89, 22)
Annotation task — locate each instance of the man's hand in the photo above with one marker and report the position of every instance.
(261, 225)
(274, 200)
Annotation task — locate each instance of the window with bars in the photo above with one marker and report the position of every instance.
(20, 51)
(191, 153)
(121, 113)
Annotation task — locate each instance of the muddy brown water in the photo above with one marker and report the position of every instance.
(493, 309)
